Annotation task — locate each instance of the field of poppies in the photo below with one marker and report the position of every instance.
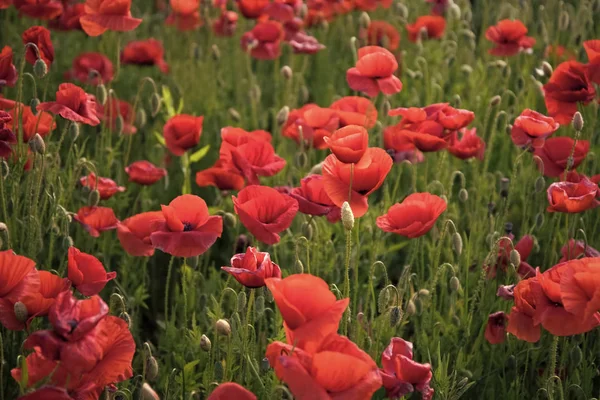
(288, 199)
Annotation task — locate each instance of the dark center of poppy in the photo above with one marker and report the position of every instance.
(73, 324)
(187, 227)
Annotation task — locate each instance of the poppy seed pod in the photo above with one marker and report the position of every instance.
(101, 94)
(21, 312)
(155, 104)
(463, 195)
(205, 343)
(515, 258)
(282, 115)
(395, 316)
(151, 368)
(286, 72)
(33, 104)
(577, 122)
(454, 284)
(457, 243)
(347, 216)
(234, 114)
(40, 69)
(37, 145)
(223, 327)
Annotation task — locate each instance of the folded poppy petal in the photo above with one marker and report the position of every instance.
(389, 85)
(522, 326)
(361, 83)
(134, 232)
(580, 287)
(96, 219)
(230, 390)
(354, 110)
(87, 272)
(414, 217)
(191, 243)
(48, 393)
(302, 385)
(349, 143)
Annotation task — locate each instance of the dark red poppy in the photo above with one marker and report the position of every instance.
(182, 132)
(374, 72)
(188, 230)
(495, 330)
(509, 38)
(349, 143)
(264, 40)
(4, 4)
(354, 110)
(572, 197)
(220, 177)
(145, 173)
(368, 175)
(103, 15)
(414, 217)
(505, 246)
(312, 124)
(438, 7)
(575, 248)
(69, 19)
(556, 152)
(252, 268)
(313, 200)
(91, 68)
(231, 390)
(580, 287)
(226, 24)
(265, 212)
(402, 375)
(433, 25)
(19, 280)
(105, 186)
(592, 49)
(134, 232)
(302, 43)
(381, 33)
(254, 159)
(39, 9)
(74, 104)
(7, 136)
(335, 369)
(145, 52)
(568, 86)
(96, 219)
(8, 71)
(87, 272)
(469, 145)
(39, 36)
(185, 14)
(532, 128)
(114, 110)
(252, 9)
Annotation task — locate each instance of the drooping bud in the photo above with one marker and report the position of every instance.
(40, 69)
(364, 20)
(127, 318)
(119, 122)
(347, 216)
(454, 11)
(151, 368)
(401, 9)
(411, 309)
(515, 258)
(37, 145)
(141, 118)
(423, 293)
(148, 393)
(74, 131)
(21, 312)
(282, 115)
(547, 68)
(563, 21)
(540, 184)
(395, 316)
(215, 52)
(382, 300)
(205, 343)
(457, 243)
(155, 104)
(241, 301)
(101, 94)
(307, 230)
(577, 121)
(67, 242)
(286, 72)
(255, 93)
(223, 327)
(494, 101)
(234, 114)
(93, 198)
(298, 267)
(463, 195)
(301, 159)
(454, 284)
(230, 220)
(33, 104)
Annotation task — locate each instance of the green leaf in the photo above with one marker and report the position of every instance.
(397, 247)
(168, 101)
(160, 138)
(200, 154)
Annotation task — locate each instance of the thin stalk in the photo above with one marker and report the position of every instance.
(169, 269)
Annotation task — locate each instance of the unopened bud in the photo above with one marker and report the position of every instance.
(547, 68)
(563, 21)
(215, 52)
(401, 9)
(466, 69)
(223, 327)
(21, 312)
(148, 393)
(454, 11)
(119, 122)
(423, 293)
(494, 101)
(235, 115)
(255, 93)
(395, 316)
(576, 356)
(40, 69)
(463, 195)
(67, 242)
(151, 368)
(286, 72)
(418, 306)
(155, 104)
(301, 159)
(317, 168)
(307, 230)
(127, 318)
(347, 216)
(577, 121)
(540, 184)
(101, 94)
(33, 104)
(457, 243)
(218, 370)
(298, 267)
(230, 220)
(74, 131)
(37, 145)
(515, 258)
(265, 366)
(5, 169)
(504, 185)
(411, 309)
(241, 301)
(282, 115)
(141, 118)
(93, 198)
(205, 343)
(454, 284)
(304, 94)
(364, 20)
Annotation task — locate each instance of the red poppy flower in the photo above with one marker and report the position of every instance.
(234, 137)
(230, 390)
(559, 53)
(532, 128)
(335, 369)
(103, 15)
(188, 230)
(41, 123)
(4, 4)
(264, 40)
(427, 136)
(96, 219)
(134, 232)
(69, 19)
(523, 247)
(74, 104)
(449, 117)
(252, 268)
(303, 43)
(311, 123)
(556, 152)
(252, 9)
(182, 132)
(374, 72)
(313, 200)
(495, 330)
(509, 38)
(91, 68)
(105, 186)
(145, 173)
(369, 174)
(438, 6)
(572, 197)
(568, 86)
(354, 110)
(432, 24)
(575, 248)
(371, 5)
(18, 280)
(414, 217)
(39, 9)
(349, 143)
(254, 159)
(468, 146)
(87, 272)
(39, 36)
(114, 109)
(48, 393)
(265, 212)
(7, 137)
(226, 24)
(592, 49)
(402, 375)
(145, 52)
(580, 287)
(185, 14)
(222, 178)
(399, 149)
(8, 71)
(381, 33)
(520, 320)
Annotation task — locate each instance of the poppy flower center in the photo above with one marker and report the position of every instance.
(73, 324)
(187, 227)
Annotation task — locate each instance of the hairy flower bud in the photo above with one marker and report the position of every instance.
(286, 72)
(223, 327)
(547, 68)
(234, 114)
(411, 309)
(40, 69)
(540, 184)
(93, 198)
(457, 243)
(395, 316)
(33, 104)
(298, 267)
(494, 101)
(205, 343)
(101, 94)
(282, 115)
(151, 368)
(454, 284)
(21, 312)
(147, 393)
(577, 121)
(230, 220)
(515, 258)
(364, 20)
(37, 145)
(463, 195)
(155, 104)
(141, 118)
(347, 216)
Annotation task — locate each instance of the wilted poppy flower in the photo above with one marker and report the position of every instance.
(469, 145)
(103, 15)
(106, 187)
(254, 159)
(575, 248)
(222, 178)
(509, 38)
(41, 123)
(265, 212)
(252, 268)
(182, 132)
(556, 152)
(145, 52)
(369, 174)
(303, 43)
(69, 19)
(231, 390)
(39, 36)
(580, 287)
(185, 14)
(134, 232)
(74, 104)
(349, 143)
(18, 280)
(226, 24)
(568, 86)
(87, 272)
(432, 25)
(533, 128)
(354, 110)
(495, 330)
(414, 217)
(572, 197)
(335, 369)
(188, 230)
(381, 33)
(96, 219)
(8, 71)
(252, 9)
(264, 40)
(39, 9)
(145, 173)
(402, 375)
(374, 72)
(592, 49)
(91, 68)
(312, 124)
(313, 200)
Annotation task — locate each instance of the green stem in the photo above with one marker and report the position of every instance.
(169, 269)
(184, 292)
